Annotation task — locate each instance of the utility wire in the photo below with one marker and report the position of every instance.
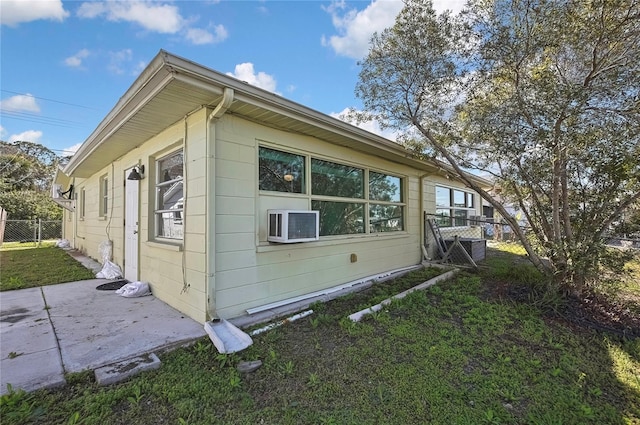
(50, 100)
(57, 122)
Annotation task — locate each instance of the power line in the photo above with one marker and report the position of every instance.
(59, 150)
(50, 100)
(40, 119)
(51, 149)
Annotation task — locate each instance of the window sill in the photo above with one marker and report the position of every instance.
(102, 218)
(165, 245)
(334, 240)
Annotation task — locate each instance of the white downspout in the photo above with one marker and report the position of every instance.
(210, 190)
(425, 254)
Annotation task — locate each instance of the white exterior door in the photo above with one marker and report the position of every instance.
(131, 189)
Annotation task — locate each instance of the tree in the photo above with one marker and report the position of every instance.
(26, 174)
(542, 95)
(629, 225)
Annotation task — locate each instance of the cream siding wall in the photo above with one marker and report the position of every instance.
(429, 188)
(251, 272)
(93, 229)
(166, 267)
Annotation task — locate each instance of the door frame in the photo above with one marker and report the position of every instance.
(131, 250)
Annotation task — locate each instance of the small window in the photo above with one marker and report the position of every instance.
(104, 196)
(281, 171)
(383, 187)
(169, 202)
(331, 179)
(453, 206)
(385, 193)
(339, 218)
(83, 203)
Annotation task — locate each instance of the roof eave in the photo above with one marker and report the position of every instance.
(165, 68)
(111, 121)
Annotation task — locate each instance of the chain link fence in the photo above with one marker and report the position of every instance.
(28, 233)
(467, 240)
(624, 243)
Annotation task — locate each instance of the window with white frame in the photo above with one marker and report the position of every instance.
(344, 195)
(83, 203)
(453, 206)
(169, 196)
(104, 196)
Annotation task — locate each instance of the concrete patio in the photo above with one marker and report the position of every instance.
(48, 331)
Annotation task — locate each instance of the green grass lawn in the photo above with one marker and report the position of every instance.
(453, 354)
(48, 265)
(629, 292)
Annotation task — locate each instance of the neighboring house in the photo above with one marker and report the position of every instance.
(500, 230)
(215, 155)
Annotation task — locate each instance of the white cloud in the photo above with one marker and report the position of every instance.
(202, 36)
(355, 28)
(91, 10)
(75, 61)
(26, 136)
(71, 150)
(156, 16)
(371, 126)
(15, 12)
(20, 103)
(119, 59)
(454, 6)
(3, 132)
(137, 70)
(245, 72)
(153, 16)
(199, 36)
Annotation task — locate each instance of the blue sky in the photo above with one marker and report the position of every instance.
(64, 64)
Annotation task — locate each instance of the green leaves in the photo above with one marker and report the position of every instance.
(26, 173)
(541, 95)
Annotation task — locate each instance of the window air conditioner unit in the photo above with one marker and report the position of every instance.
(287, 226)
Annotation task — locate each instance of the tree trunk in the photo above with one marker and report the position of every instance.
(533, 256)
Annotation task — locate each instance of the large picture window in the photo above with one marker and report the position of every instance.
(453, 206)
(344, 195)
(169, 202)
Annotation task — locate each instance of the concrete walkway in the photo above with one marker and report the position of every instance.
(48, 331)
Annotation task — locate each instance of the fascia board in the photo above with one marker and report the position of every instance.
(275, 103)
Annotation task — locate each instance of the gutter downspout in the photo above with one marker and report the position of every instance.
(210, 190)
(423, 249)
